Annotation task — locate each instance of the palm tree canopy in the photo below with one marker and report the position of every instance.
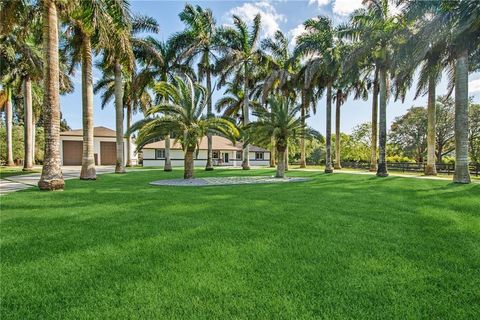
(181, 115)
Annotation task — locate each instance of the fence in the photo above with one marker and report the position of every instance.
(413, 167)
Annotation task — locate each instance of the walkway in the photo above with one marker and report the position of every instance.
(25, 181)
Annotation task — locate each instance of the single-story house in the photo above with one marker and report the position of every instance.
(225, 153)
(104, 146)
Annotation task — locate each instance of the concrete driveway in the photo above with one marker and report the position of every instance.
(15, 183)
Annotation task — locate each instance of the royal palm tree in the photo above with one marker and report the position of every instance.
(375, 31)
(241, 53)
(198, 41)
(319, 40)
(279, 121)
(181, 114)
(454, 23)
(160, 61)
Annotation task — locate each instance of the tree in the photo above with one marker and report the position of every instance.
(409, 132)
(376, 32)
(445, 127)
(474, 134)
(239, 47)
(454, 23)
(319, 40)
(199, 41)
(181, 114)
(159, 61)
(281, 122)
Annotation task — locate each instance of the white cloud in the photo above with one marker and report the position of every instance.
(474, 86)
(294, 33)
(319, 3)
(345, 7)
(270, 17)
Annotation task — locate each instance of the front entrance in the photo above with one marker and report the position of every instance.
(225, 157)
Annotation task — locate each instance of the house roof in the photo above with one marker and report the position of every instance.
(97, 132)
(218, 143)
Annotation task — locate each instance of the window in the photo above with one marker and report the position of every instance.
(239, 155)
(159, 153)
(215, 154)
(258, 155)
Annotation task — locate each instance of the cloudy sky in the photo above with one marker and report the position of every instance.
(285, 15)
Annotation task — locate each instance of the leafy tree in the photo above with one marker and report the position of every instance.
(240, 54)
(409, 132)
(279, 123)
(474, 134)
(181, 114)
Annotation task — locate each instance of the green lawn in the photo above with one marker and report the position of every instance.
(6, 172)
(339, 246)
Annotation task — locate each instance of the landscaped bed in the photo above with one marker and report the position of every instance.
(336, 246)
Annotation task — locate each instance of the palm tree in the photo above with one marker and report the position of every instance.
(89, 24)
(376, 30)
(319, 40)
(239, 47)
(51, 178)
(181, 114)
(160, 62)
(198, 40)
(454, 23)
(280, 122)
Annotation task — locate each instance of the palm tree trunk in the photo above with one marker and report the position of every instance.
(52, 178)
(129, 138)
(374, 136)
(382, 163)
(27, 110)
(328, 144)
(303, 110)
(168, 163)
(88, 160)
(272, 154)
(209, 165)
(462, 174)
(34, 138)
(431, 169)
(9, 125)
(280, 163)
(286, 158)
(188, 164)
(246, 149)
(119, 167)
(338, 164)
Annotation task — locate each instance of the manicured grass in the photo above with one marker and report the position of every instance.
(339, 246)
(6, 172)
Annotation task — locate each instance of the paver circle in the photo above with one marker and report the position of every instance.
(223, 181)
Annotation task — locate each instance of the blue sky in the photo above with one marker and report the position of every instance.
(287, 16)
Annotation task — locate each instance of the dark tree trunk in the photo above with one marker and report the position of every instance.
(462, 174)
(9, 125)
(430, 168)
(129, 138)
(280, 163)
(209, 165)
(302, 138)
(188, 172)
(374, 136)
(119, 167)
(28, 121)
(338, 164)
(328, 137)
(246, 149)
(382, 163)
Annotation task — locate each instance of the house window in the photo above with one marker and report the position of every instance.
(258, 155)
(159, 153)
(215, 154)
(238, 155)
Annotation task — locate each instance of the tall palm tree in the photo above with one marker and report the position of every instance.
(160, 61)
(319, 40)
(454, 23)
(89, 24)
(181, 114)
(279, 122)
(118, 54)
(198, 41)
(52, 177)
(376, 31)
(239, 47)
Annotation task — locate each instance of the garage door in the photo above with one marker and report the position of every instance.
(108, 153)
(72, 153)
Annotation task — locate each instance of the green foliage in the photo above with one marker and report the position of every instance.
(17, 143)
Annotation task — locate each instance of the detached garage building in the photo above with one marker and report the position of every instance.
(105, 152)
